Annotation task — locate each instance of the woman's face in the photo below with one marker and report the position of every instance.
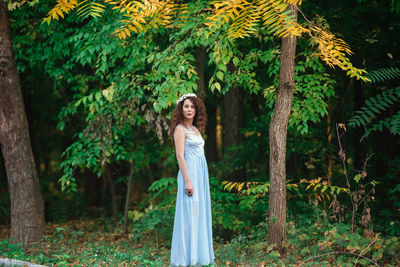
(189, 109)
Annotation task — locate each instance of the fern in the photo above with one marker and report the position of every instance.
(89, 8)
(384, 74)
(374, 106)
(395, 124)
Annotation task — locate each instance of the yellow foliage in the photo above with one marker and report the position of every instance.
(318, 190)
(293, 2)
(143, 15)
(278, 21)
(244, 16)
(62, 6)
(333, 51)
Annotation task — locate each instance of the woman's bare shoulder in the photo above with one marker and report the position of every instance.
(179, 129)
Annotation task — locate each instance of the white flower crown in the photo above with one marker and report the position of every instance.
(184, 97)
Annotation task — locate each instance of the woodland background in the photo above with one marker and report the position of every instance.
(99, 125)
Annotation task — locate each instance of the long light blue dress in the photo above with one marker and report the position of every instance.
(192, 243)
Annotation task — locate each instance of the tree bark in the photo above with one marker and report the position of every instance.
(360, 151)
(277, 144)
(329, 136)
(200, 55)
(232, 122)
(113, 194)
(27, 206)
(233, 117)
(128, 199)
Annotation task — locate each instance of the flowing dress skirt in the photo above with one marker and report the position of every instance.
(192, 243)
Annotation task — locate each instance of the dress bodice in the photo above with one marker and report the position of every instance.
(194, 142)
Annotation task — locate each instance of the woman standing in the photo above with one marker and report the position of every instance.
(192, 235)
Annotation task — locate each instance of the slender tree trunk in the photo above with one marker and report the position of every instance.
(113, 194)
(360, 151)
(277, 144)
(218, 132)
(232, 119)
(27, 206)
(328, 151)
(211, 132)
(232, 122)
(200, 55)
(128, 200)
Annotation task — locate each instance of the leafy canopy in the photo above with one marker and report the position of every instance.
(244, 18)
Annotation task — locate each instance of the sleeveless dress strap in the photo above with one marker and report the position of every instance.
(188, 132)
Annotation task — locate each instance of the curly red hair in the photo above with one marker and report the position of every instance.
(199, 120)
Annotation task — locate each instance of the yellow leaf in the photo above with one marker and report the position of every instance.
(240, 187)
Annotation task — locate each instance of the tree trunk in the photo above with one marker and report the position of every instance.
(128, 199)
(277, 144)
(27, 206)
(360, 151)
(329, 136)
(113, 194)
(200, 55)
(232, 122)
(218, 133)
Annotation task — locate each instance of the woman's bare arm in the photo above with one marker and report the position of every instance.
(179, 138)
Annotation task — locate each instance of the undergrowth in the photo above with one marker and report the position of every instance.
(99, 243)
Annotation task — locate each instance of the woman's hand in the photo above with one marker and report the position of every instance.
(189, 189)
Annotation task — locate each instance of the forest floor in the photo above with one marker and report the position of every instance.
(97, 242)
(88, 242)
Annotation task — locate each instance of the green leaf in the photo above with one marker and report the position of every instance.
(235, 61)
(357, 178)
(220, 76)
(218, 86)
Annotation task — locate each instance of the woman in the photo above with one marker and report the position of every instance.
(192, 235)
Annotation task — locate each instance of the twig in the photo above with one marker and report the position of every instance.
(366, 195)
(298, 9)
(370, 244)
(338, 252)
(343, 158)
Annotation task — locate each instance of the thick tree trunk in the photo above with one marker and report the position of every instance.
(27, 207)
(277, 144)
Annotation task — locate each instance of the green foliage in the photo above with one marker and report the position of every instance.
(312, 89)
(89, 8)
(382, 75)
(375, 106)
(316, 243)
(335, 243)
